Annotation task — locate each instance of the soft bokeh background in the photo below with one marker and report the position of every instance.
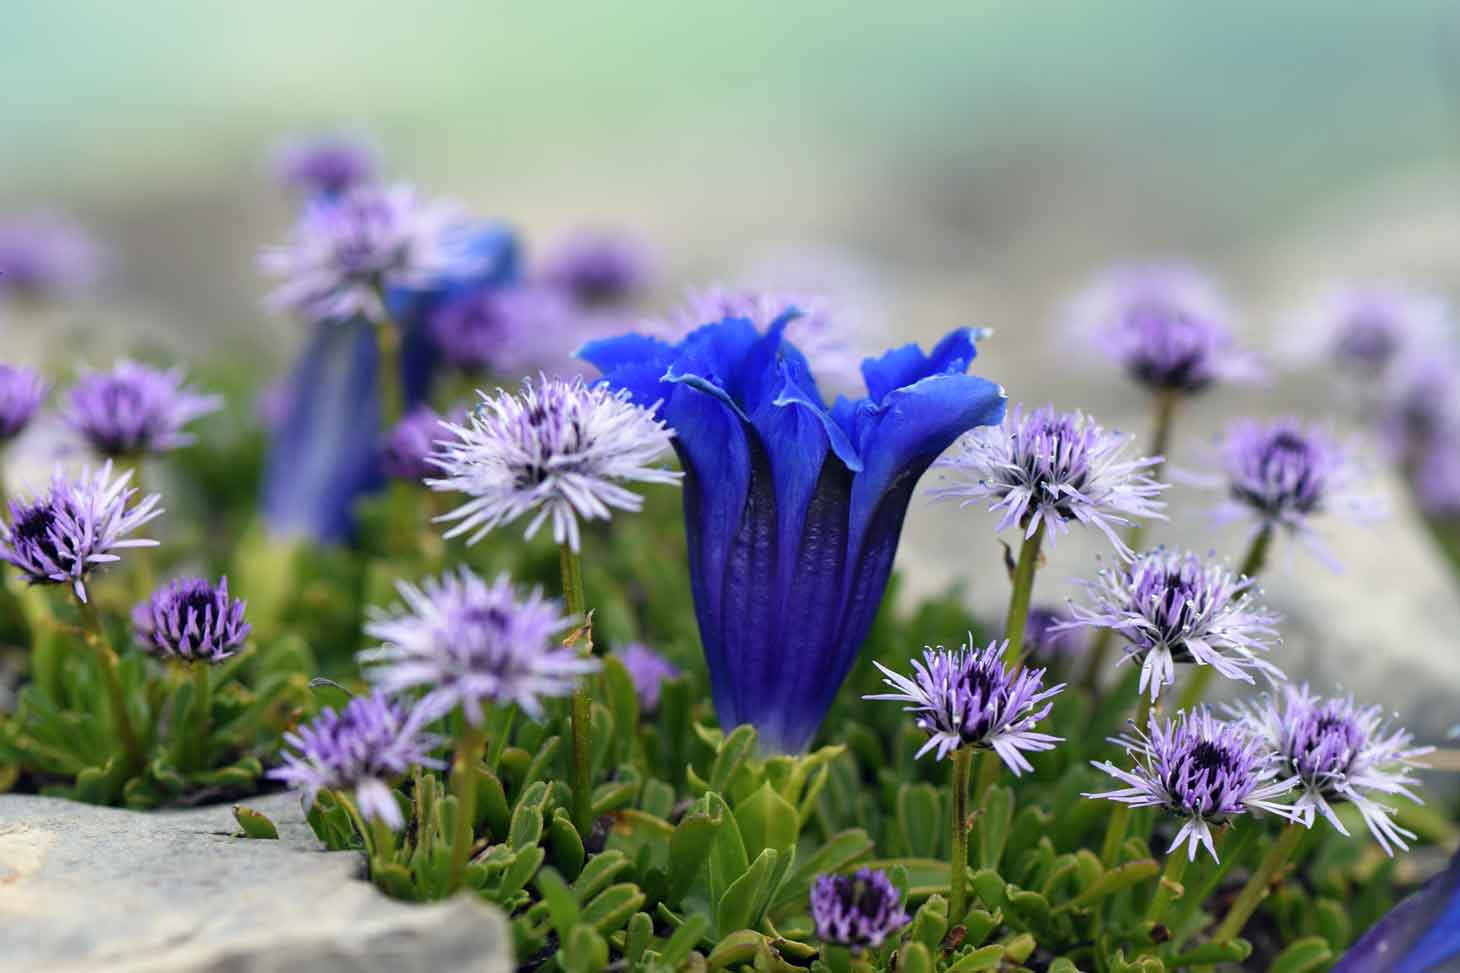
(935, 163)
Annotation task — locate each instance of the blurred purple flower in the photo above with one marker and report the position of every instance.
(860, 910)
(968, 698)
(363, 748)
(599, 268)
(648, 670)
(1437, 479)
(135, 409)
(44, 257)
(326, 165)
(22, 390)
(191, 619)
(61, 537)
(408, 447)
(1366, 327)
(1051, 468)
(1048, 636)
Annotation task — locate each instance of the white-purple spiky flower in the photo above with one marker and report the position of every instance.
(191, 619)
(860, 910)
(969, 698)
(363, 748)
(1340, 752)
(346, 251)
(22, 390)
(136, 409)
(556, 449)
(62, 536)
(1199, 769)
(467, 642)
(1051, 468)
(1166, 324)
(1173, 606)
(1365, 327)
(1282, 474)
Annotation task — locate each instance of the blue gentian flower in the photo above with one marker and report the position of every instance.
(792, 509)
(1420, 935)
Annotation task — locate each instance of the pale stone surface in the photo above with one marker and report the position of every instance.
(88, 888)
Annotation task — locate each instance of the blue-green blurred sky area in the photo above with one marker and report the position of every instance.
(992, 153)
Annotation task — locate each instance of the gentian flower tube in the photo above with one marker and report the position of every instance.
(793, 510)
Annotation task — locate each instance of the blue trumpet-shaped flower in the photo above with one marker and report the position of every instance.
(792, 509)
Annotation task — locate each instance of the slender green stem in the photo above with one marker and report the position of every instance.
(581, 712)
(1115, 831)
(1168, 886)
(1256, 558)
(464, 787)
(1201, 677)
(1257, 886)
(387, 347)
(112, 679)
(1019, 595)
(958, 860)
(202, 713)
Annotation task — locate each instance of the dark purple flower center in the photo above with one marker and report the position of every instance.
(1368, 340)
(1284, 475)
(977, 687)
(32, 527)
(200, 601)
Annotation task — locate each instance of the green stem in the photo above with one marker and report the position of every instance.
(958, 860)
(1115, 830)
(202, 714)
(464, 787)
(1256, 558)
(581, 711)
(1195, 689)
(1257, 886)
(988, 774)
(387, 346)
(1019, 595)
(112, 679)
(1167, 887)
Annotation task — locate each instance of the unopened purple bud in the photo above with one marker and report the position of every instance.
(135, 409)
(408, 447)
(191, 619)
(860, 910)
(648, 670)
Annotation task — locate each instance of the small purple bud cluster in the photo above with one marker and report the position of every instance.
(193, 620)
(860, 910)
(134, 409)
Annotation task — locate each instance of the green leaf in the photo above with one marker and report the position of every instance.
(915, 957)
(493, 809)
(1332, 922)
(736, 948)
(689, 846)
(613, 907)
(255, 824)
(1207, 954)
(1062, 964)
(1018, 948)
(637, 937)
(985, 958)
(1115, 880)
(623, 701)
(727, 861)
(598, 873)
(744, 899)
(990, 887)
(585, 950)
(1031, 908)
(1302, 956)
(919, 819)
(930, 922)
(993, 827)
(685, 939)
(979, 924)
(562, 906)
(766, 820)
(734, 751)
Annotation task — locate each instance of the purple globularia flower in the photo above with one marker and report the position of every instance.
(22, 391)
(1366, 327)
(325, 165)
(1200, 769)
(860, 910)
(511, 331)
(346, 252)
(135, 409)
(1172, 607)
(468, 643)
(1048, 636)
(648, 669)
(1419, 403)
(969, 698)
(1050, 468)
(1166, 324)
(363, 748)
(1282, 474)
(44, 257)
(191, 619)
(60, 537)
(599, 268)
(1339, 752)
(408, 447)
(1436, 481)
(556, 449)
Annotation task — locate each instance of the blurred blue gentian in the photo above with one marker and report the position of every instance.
(1419, 935)
(793, 510)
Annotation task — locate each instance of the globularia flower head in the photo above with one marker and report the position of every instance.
(135, 409)
(1166, 324)
(648, 669)
(1284, 473)
(1365, 327)
(558, 449)
(1172, 607)
(859, 910)
(1048, 636)
(467, 642)
(21, 392)
(599, 268)
(408, 447)
(43, 257)
(347, 251)
(1200, 769)
(1339, 752)
(325, 164)
(191, 619)
(509, 331)
(60, 537)
(968, 698)
(1052, 468)
(363, 748)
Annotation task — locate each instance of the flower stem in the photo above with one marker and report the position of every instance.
(1256, 558)
(112, 678)
(1115, 830)
(464, 788)
(1201, 677)
(202, 714)
(958, 860)
(581, 712)
(387, 347)
(1257, 886)
(1019, 596)
(1167, 886)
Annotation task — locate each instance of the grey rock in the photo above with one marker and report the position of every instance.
(89, 888)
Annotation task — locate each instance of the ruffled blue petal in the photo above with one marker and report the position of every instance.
(1419, 935)
(903, 366)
